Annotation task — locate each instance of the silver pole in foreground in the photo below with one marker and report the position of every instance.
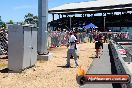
(42, 31)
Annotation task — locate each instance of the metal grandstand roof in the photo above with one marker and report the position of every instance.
(93, 6)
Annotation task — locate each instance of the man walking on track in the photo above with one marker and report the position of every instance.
(72, 50)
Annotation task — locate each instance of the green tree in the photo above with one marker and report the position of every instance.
(31, 19)
(35, 20)
(28, 18)
(11, 22)
(4, 25)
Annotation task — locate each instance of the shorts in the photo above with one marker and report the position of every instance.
(98, 45)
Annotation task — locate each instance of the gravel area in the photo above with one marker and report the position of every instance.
(50, 74)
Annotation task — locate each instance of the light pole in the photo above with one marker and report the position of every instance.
(42, 47)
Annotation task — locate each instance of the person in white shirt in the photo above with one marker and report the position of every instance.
(72, 50)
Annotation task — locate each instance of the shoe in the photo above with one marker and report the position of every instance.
(78, 57)
(67, 66)
(71, 57)
(96, 56)
(77, 66)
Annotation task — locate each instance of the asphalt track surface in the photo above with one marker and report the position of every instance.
(100, 65)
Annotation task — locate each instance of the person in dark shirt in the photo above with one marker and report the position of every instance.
(98, 44)
(105, 38)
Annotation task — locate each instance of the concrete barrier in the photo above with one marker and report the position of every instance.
(120, 64)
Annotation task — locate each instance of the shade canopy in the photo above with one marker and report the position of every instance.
(90, 26)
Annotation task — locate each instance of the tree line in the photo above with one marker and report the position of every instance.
(29, 18)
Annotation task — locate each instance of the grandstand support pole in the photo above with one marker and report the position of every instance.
(121, 12)
(104, 23)
(42, 30)
(66, 15)
(120, 22)
(53, 15)
(53, 18)
(59, 16)
(113, 13)
(62, 15)
(103, 14)
(70, 23)
(93, 14)
(82, 15)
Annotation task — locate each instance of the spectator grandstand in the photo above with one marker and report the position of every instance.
(112, 20)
